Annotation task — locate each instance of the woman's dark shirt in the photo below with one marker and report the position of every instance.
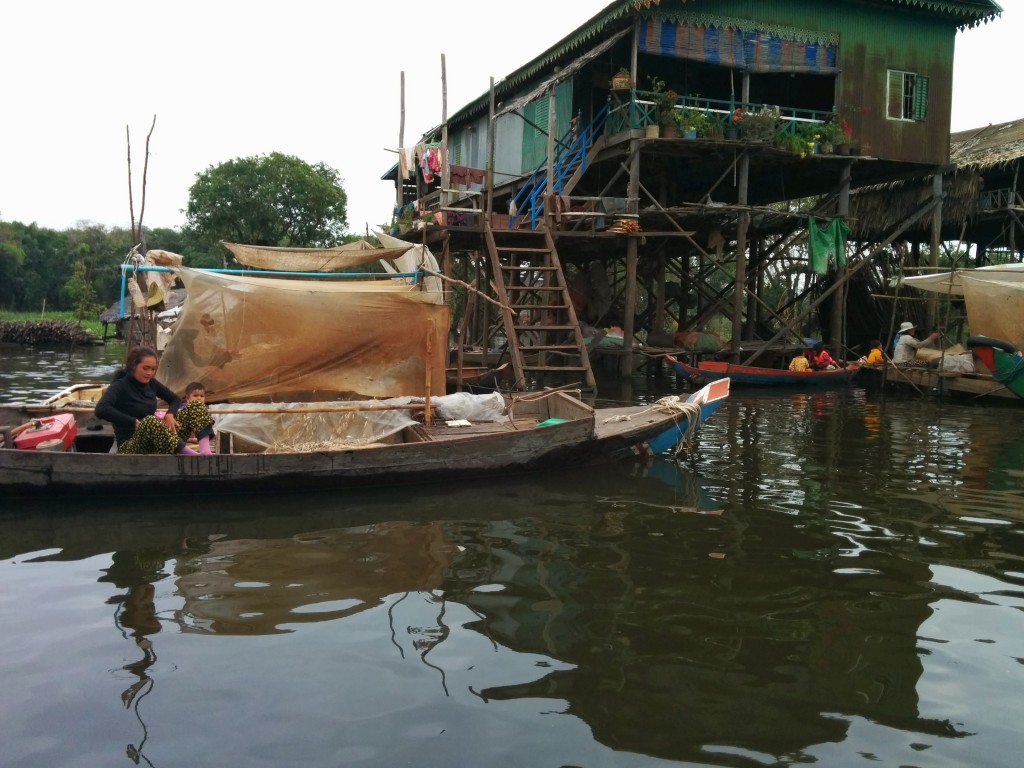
(127, 400)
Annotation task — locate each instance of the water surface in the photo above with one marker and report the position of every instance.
(833, 578)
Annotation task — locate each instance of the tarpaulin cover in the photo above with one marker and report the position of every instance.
(730, 46)
(995, 308)
(994, 297)
(270, 339)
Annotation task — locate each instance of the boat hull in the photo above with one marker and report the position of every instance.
(1006, 363)
(441, 455)
(761, 377)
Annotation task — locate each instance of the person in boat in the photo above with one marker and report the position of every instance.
(193, 413)
(129, 403)
(874, 355)
(800, 363)
(821, 360)
(907, 345)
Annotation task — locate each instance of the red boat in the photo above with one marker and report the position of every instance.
(711, 370)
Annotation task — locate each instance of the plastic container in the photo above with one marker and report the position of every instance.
(61, 428)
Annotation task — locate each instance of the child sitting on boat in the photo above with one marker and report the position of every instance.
(194, 420)
(874, 356)
(800, 363)
(821, 360)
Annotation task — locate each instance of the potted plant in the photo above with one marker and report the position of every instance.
(664, 105)
(761, 125)
(735, 124)
(692, 122)
(622, 80)
(841, 134)
(811, 135)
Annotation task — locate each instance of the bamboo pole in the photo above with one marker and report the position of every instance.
(400, 182)
(303, 409)
(431, 328)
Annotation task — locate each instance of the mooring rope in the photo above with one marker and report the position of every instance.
(679, 408)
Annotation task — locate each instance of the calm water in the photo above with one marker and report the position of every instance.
(835, 578)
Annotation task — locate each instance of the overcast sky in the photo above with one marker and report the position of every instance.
(319, 80)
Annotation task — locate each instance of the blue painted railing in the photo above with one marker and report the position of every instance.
(570, 153)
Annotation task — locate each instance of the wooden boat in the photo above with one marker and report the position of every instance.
(1003, 359)
(747, 375)
(541, 430)
(478, 378)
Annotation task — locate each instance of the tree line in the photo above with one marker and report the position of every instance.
(273, 199)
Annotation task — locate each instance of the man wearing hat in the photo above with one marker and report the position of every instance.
(907, 345)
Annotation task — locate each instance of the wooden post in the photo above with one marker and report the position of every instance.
(837, 335)
(741, 257)
(400, 186)
(431, 328)
(659, 295)
(936, 245)
(445, 172)
(492, 127)
(552, 119)
(633, 207)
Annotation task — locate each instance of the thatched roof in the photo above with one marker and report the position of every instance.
(983, 148)
(880, 209)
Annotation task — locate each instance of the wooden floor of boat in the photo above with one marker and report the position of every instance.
(439, 430)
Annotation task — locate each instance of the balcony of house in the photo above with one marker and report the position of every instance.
(636, 113)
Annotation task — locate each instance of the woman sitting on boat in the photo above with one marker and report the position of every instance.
(905, 353)
(129, 403)
(821, 360)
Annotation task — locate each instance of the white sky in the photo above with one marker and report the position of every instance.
(314, 79)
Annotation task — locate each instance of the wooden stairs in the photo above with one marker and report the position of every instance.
(543, 332)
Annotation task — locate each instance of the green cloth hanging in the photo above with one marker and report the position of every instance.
(825, 244)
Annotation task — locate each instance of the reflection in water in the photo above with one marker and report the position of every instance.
(136, 613)
(832, 577)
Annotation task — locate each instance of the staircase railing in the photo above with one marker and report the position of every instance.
(571, 152)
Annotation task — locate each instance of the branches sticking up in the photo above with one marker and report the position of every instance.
(137, 230)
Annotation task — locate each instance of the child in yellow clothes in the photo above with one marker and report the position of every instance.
(875, 356)
(194, 418)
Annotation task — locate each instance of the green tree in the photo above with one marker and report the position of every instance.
(12, 259)
(271, 199)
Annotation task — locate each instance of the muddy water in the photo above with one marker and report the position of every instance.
(834, 578)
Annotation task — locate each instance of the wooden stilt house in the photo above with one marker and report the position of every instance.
(651, 170)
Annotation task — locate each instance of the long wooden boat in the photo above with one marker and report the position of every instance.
(542, 430)
(747, 375)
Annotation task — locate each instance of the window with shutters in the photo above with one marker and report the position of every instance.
(908, 96)
(538, 115)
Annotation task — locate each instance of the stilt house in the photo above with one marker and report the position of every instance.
(652, 168)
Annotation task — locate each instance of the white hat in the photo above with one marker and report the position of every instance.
(904, 327)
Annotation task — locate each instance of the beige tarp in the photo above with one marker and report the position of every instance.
(415, 258)
(258, 338)
(994, 297)
(995, 308)
(159, 284)
(313, 259)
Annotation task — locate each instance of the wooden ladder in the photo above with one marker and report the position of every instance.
(541, 326)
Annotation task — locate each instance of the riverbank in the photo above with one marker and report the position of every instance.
(48, 328)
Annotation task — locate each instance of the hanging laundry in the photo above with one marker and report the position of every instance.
(825, 244)
(458, 174)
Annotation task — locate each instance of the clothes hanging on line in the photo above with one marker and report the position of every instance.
(406, 161)
(826, 244)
